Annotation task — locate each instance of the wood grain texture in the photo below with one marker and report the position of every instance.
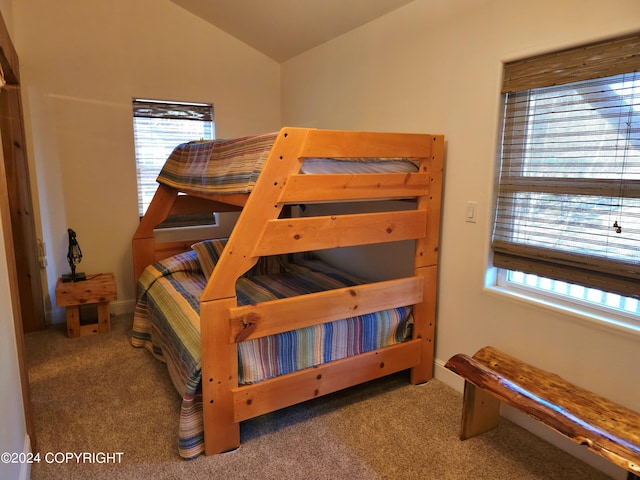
(253, 400)
(428, 245)
(283, 315)
(605, 427)
(96, 288)
(219, 377)
(346, 144)
(315, 233)
(318, 188)
(424, 324)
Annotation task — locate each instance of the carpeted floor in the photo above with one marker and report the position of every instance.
(98, 395)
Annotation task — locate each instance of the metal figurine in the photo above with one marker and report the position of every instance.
(74, 256)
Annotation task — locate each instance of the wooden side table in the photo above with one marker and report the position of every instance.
(96, 289)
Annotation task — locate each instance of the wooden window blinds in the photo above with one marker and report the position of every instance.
(568, 205)
(159, 126)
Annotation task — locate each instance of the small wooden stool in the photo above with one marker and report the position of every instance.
(99, 288)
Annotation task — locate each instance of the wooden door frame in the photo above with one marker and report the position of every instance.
(18, 182)
(22, 228)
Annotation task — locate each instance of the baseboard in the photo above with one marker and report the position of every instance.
(447, 376)
(25, 468)
(536, 428)
(122, 307)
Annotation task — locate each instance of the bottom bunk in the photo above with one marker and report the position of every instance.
(167, 323)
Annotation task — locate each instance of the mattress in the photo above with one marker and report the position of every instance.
(167, 323)
(233, 166)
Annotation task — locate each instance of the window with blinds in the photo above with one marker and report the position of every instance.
(159, 126)
(568, 206)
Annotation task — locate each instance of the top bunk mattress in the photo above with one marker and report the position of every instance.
(231, 166)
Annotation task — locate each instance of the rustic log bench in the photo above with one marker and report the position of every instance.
(608, 429)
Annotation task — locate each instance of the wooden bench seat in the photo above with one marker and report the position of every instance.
(606, 428)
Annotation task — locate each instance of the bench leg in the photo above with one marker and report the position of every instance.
(480, 411)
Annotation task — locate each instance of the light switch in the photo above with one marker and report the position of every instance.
(472, 210)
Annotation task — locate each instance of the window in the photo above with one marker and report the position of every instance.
(568, 209)
(593, 298)
(159, 127)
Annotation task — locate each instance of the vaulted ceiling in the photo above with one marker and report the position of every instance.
(282, 29)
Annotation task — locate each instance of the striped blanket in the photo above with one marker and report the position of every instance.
(233, 166)
(217, 166)
(166, 322)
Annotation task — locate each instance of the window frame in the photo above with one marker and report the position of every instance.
(513, 81)
(599, 314)
(171, 111)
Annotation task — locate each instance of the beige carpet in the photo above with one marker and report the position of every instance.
(99, 395)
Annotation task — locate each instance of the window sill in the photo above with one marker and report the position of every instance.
(575, 312)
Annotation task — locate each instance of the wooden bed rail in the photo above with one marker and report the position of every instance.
(304, 234)
(252, 400)
(491, 376)
(277, 316)
(303, 188)
(353, 144)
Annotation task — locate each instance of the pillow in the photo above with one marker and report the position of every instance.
(269, 265)
(208, 252)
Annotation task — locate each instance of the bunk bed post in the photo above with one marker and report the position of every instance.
(219, 377)
(424, 317)
(426, 261)
(219, 351)
(143, 243)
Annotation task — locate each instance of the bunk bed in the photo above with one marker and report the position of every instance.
(230, 315)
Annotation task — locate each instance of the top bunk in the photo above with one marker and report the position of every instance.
(232, 166)
(263, 174)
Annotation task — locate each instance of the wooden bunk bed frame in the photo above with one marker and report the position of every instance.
(263, 230)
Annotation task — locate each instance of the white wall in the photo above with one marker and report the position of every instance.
(82, 63)
(435, 66)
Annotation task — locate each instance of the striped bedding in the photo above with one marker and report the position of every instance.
(166, 322)
(233, 166)
(217, 166)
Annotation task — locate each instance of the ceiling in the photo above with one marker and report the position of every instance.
(282, 29)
